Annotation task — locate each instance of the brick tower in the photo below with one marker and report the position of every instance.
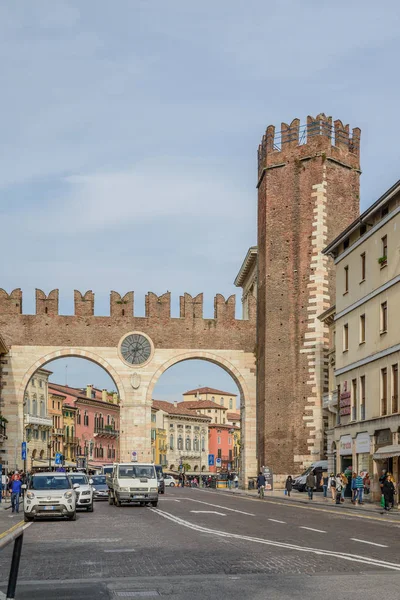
(308, 192)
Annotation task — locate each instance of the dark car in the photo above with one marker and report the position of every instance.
(100, 488)
(160, 479)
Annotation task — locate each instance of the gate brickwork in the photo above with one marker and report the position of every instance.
(34, 340)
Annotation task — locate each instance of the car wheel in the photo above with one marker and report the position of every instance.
(154, 503)
(27, 518)
(90, 508)
(110, 499)
(172, 484)
(72, 517)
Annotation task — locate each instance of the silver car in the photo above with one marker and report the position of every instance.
(49, 494)
(100, 487)
(84, 491)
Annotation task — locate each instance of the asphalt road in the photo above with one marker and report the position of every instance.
(207, 544)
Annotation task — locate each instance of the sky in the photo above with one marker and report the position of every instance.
(129, 134)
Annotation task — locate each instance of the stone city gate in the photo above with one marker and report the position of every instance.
(135, 351)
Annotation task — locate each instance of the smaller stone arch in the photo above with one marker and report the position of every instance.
(41, 455)
(34, 453)
(172, 468)
(196, 468)
(203, 468)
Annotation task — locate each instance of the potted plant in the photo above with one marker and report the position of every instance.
(382, 260)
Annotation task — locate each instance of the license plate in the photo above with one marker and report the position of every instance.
(136, 496)
(49, 508)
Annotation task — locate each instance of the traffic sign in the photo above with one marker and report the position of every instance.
(23, 450)
(134, 456)
(211, 460)
(218, 462)
(57, 459)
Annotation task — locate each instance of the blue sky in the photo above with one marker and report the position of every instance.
(129, 133)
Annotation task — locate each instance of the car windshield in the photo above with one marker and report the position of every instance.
(99, 480)
(49, 482)
(128, 471)
(81, 479)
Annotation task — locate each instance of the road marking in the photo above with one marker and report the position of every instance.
(116, 550)
(219, 506)
(276, 521)
(208, 512)
(372, 543)
(311, 529)
(13, 528)
(333, 554)
(169, 500)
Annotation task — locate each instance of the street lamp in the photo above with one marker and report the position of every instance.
(49, 454)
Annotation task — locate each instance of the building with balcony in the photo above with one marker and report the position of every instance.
(367, 341)
(37, 423)
(55, 410)
(223, 400)
(186, 436)
(221, 443)
(70, 440)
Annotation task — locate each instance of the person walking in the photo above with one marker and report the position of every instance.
(325, 480)
(289, 485)
(332, 486)
(359, 487)
(344, 481)
(388, 493)
(16, 486)
(353, 488)
(261, 484)
(367, 484)
(229, 480)
(236, 481)
(310, 484)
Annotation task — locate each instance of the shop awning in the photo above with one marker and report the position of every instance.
(387, 452)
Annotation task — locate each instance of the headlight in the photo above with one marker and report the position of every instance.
(124, 489)
(86, 493)
(153, 489)
(68, 495)
(30, 495)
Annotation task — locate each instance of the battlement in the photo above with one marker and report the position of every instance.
(122, 306)
(317, 136)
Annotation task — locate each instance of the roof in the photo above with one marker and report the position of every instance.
(247, 264)
(171, 409)
(76, 393)
(196, 404)
(231, 416)
(225, 426)
(208, 390)
(361, 219)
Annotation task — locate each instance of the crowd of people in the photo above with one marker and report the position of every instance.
(232, 480)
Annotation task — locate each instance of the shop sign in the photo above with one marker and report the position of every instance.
(345, 445)
(383, 437)
(363, 443)
(345, 401)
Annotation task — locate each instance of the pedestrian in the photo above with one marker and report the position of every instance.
(332, 486)
(16, 486)
(339, 488)
(3, 485)
(344, 481)
(388, 492)
(236, 481)
(310, 484)
(367, 484)
(230, 478)
(325, 479)
(359, 487)
(289, 485)
(261, 484)
(353, 487)
(382, 479)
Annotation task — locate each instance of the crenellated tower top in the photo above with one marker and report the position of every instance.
(319, 136)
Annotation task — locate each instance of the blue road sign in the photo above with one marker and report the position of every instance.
(218, 462)
(211, 460)
(23, 450)
(57, 459)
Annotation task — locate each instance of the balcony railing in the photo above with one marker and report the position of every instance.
(330, 399)
(35, 420)
(106, 431)
(58, 431)
(71, 440)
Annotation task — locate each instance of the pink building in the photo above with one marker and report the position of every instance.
(97, 424)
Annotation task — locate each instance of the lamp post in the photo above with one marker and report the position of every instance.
(49, 454)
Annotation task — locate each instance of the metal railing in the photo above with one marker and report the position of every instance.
(16, 536)
(105, 431)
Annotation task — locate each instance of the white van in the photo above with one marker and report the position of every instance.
(133, 482)
(317, 469)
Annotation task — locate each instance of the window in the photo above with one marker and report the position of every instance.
(209, 411)
(384, 391)
(216, 420)
(230, 403)
(203, 444)
(212, 399)
(40, 383)
(53, 404)
(216, 411)
(384, 251)
(219, 453)
(41, 408)
(362, 329)
(354, 400)
(221, 402)
(362, 395)
(196, 445)
(338, 412)
(27, 405)
(384, 211)
(230, 455)
(33, 381)
(346, 243)
(219, 440)
(229, 441)
(171, 442)
(362, 266)
(188, 444)
(86, 419)
(345, 337)
(383, 317)
(346, 280)
(34, 407)
(395, 388)
(180, 443)
(363, 230)
(44, 436)
(78, 418)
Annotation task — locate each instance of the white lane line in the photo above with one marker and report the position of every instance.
(276, 521)
(209, 512)
(219, 506)
(366, 542)
(311, 529)
(322, 552)
(169, 500)
(117, 550)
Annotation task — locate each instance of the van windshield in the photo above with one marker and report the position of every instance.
(142, 471)
(307, 471)
(49, 482)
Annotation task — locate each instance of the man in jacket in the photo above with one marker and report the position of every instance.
(310, 484)
(261, 484)
(359, 487)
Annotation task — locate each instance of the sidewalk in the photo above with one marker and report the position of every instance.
(318, 500)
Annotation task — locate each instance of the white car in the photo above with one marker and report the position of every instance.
(84, 491)
(169, 481)
(49, 494)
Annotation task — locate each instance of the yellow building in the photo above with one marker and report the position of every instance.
(55, 410)
(70, 440)
(367, 346)
(224, 399)
(161, 446)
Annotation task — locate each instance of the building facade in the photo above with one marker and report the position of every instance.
(221, 444)
(226, 400)
(4, 459)
(367, 333)
(247, 280)
(37, 422)
(308, 190)
(70, 438)
(55, 410)
(187, 436)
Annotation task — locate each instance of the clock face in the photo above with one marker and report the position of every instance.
(136, 349)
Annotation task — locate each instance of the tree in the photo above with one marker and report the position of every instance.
(186, 467)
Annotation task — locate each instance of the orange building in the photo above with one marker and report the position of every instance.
(221, 443)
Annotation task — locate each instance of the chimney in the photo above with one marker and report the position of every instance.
(89, 391)
(104, 395)
(175, 404)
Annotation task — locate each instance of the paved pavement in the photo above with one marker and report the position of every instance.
(210, 544)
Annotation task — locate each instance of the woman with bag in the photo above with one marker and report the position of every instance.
(388, 492)
(288, 485)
